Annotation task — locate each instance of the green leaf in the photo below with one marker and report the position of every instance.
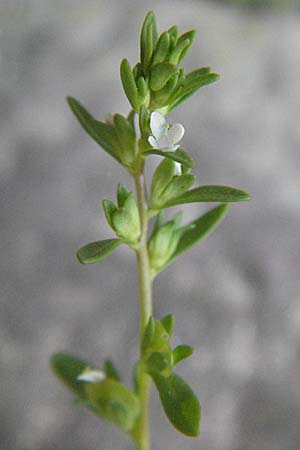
(181, 352)
(96, 251)
(67, 368)
(114, 402)
(177, 186)
(200, 229)
(144, 120)
(111, 371)
(129, 85)
(189, 35)
(102, 133)
(160, 75)
(179, 155)
(180, 403)
(173, 33)
(222, 194)
(148, 39)
(187, 90)
(168, 323)
(161, 49)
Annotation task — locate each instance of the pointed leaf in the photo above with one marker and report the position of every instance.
(109, 209)
(148, 39)
(68, 368)
(96, 251)
(181, 352)
(180, 403)
(222, 194)
(202, 227)
(179, 155)
(177, 187)
(128, 83)
(168, 323)
(111, 371)
(161, 49)
(101, 132)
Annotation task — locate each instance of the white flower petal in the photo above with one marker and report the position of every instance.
(157, 124)
(175, 133)
(91, 376)
(152, 142)
(178, 170)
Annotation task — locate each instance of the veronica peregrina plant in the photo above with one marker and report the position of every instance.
(154, 86)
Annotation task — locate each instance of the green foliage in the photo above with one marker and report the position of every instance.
(157, 83)
(67, 368)
(220, 194)
(96, 251)
(179, 402)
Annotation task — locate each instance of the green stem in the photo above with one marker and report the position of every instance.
(145, 285)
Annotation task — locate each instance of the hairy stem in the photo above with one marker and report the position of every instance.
(145, 284)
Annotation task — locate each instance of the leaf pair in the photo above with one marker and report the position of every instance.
(116, 137)
(178, 400)
(109, 399)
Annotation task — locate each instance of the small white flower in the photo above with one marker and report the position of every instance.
(91, 376)
(165, 137)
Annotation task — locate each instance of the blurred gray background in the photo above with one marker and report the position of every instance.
(235, 296)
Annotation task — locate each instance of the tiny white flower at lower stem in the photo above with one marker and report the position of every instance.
(91, 376)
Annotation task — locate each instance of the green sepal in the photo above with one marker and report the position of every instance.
(110, 371)
(148, 334)
(130, 119)
(179, 403)
(181, 352)
(168, 323)
(162, 245)
(103, 133)
(129, 84)
(143, 92)
(161, 50)
(175, 189)
(67, 368)
(122, 194)
(179, 155)
(96, 251)
(159, 220)
(200, 229)
(114, 402)
(160, 75)
(148, 39)
(126, 220)
(222, 194)
(144, 120)
(109, 209)
(163, 174)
